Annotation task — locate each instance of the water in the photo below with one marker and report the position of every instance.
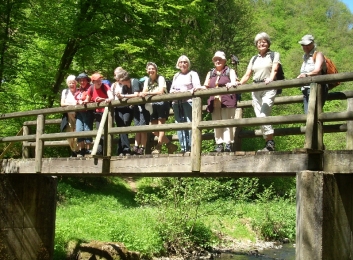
(287, 252)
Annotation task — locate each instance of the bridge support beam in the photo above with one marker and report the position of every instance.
(27, 216)
(324, 215)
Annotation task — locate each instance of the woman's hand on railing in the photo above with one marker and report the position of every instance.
(230, 85)
(197, 88)
(268, 80)
(143, 94)
(120, 96)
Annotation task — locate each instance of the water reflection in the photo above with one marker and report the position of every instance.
(287, 252)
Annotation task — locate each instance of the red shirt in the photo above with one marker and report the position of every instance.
(98, 93)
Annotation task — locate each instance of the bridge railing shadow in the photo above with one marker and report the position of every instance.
(313, 121)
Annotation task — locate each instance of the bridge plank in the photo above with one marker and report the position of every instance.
(212, 165)
(239, 164)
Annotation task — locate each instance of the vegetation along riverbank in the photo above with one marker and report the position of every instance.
(175, 216)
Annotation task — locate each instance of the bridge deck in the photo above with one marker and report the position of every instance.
(212, 164)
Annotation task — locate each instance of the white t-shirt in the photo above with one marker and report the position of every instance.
(68, 97)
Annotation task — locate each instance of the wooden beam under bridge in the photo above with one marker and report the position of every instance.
(237, 164)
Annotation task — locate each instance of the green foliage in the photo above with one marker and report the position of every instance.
(138, 232)
(275, 219)
(182, 230)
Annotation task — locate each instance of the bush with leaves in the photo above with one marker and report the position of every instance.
(180, 202)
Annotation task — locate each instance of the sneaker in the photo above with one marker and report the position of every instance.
(270, 146)
(219, 148)
(157, 149)
(171, 147)
(73, 154)
(228, 148)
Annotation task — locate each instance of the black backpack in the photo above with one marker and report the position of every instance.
(280, 72)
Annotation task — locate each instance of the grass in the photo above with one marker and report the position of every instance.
(104, 209)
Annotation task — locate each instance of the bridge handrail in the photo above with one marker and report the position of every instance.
(312, 131)
(281, 84)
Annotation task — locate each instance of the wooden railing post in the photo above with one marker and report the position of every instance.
(349, 135)
(110, 137)
(319, 105)
(196, 134)
(237, 140)
(39, 143)
(311, 120)
(25, 148)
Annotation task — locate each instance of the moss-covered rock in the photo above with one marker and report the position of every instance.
(100, 250)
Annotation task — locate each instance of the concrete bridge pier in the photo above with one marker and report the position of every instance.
(27, 217)
(324, 216)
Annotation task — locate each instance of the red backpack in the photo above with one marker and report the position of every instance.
(331, 69)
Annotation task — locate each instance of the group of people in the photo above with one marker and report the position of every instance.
(262, 67)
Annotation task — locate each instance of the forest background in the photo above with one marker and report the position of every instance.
(42, 42)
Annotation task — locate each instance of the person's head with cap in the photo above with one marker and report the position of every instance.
(219, 60)
(83, 79)
(97, 79)
(307, 42)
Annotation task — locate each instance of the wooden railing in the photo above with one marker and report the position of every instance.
(313, 129)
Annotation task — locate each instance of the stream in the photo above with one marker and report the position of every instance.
(287, 252)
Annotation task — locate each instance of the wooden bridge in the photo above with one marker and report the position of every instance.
(324, 178)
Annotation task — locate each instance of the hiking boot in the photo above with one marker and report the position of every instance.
(269, 147)
(82, 153)
(141, 151)
(171, 147)
(187, 153)
(228, 148)
(157, 149)
(136, 150)
(219, 148)
(99, 150)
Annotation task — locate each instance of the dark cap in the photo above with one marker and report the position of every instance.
(83, 76)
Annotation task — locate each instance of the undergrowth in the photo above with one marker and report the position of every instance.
(172, 215)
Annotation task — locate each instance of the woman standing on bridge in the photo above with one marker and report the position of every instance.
(264, 69)
(69, 121)
(222, 106)
(84, 119)
(99, 92)
(313, 64)
(123, 115)
(156, 85)
(184, 81)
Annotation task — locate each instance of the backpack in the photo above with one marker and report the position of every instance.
(280, 72)
(142, 82)
(330, 69)
(90, 90)
(168, 83)
(225, 73)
